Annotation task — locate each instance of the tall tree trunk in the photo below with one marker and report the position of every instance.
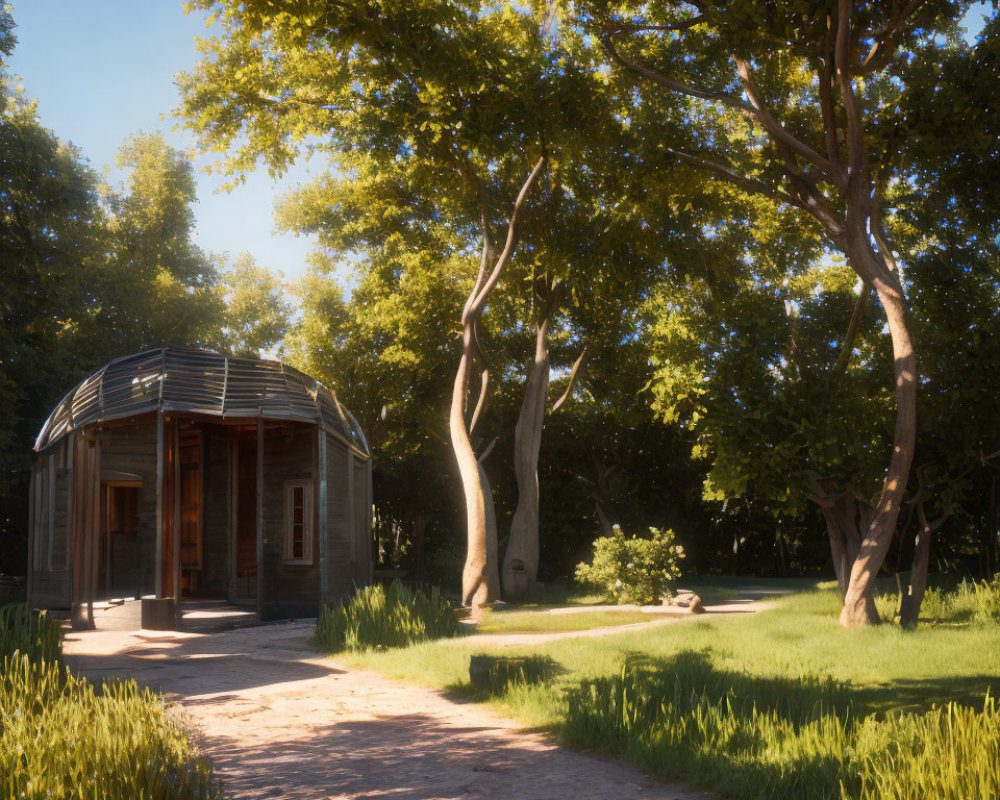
(478, 588)
(602, 495)
(847, 519)
(419, 533)
(480, 575)
(520, 564)
(910, 602)
(859, 603)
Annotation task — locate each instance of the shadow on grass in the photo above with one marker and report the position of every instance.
(494, 676)
(732, 733)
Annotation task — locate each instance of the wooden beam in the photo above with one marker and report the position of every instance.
(160, 468)
(322, 515)
(177, 508)
(260, 515)
(352, 520)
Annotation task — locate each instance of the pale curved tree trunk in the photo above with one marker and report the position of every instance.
(480, 575)
(859, 604)
(520, 564)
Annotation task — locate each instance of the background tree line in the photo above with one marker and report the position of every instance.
(718, 204)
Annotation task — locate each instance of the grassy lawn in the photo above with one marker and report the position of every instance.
(540, 621)
(787, 700)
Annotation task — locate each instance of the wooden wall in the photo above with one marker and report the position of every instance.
(131, 450)
(340, 545)
(51, 577)
(288, 589)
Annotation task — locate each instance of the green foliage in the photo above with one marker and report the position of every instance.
(377, 617)
(496, 675)
(948, 753)
(972, 601)
(634, 570)
(255, 314)
(59, 738)
(31, 633)
(747, 737)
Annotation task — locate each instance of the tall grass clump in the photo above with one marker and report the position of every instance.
(734, 734)
(59, 738)
(379, 617)
(976, 602)
(33, 633)
(948, 753)
(782, 738)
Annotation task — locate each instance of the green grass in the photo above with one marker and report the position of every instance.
(377, 617)
(62, 738)
(24, 631)
(539, 621)
(807, 705)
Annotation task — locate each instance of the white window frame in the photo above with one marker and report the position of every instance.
(307, 522)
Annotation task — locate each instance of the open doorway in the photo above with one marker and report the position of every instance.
(119, 569)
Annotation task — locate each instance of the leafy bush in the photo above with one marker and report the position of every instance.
(35, 634)
(633, 569)
(970, 601)
(380, 617)
(783, 738)
(61, 739)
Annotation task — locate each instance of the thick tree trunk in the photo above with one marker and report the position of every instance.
(480, 576)
(419, 534)
(847, 520)
(520, 564)
(480, 582)
(910, 602)
(859, 604)
(602, 495)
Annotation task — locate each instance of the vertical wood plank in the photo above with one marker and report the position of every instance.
(260, 515)
(51, 516)
(324, 535)
(176, 527)
(159, 505)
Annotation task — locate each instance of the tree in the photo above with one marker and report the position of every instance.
(468, 99)
(808, 81)
(255, 313)
(156, 285)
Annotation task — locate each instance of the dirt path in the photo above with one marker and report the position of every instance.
(280, 721)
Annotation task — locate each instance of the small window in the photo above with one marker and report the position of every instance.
(298, 522)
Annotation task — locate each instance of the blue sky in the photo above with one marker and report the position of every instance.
(103, 69)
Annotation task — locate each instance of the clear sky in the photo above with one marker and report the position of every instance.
(104, 69)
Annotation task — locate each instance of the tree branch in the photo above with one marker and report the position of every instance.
(484, 385)
(572, 381)
(479, 300)
(771, 124)
(853, 327)
(669, 83)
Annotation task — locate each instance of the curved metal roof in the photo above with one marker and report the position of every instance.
(200, 382)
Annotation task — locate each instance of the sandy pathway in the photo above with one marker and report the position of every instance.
(280, 721)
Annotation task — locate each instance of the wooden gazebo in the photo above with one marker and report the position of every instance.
(190, 474)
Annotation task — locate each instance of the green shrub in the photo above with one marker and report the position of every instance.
(970, 601)
(495, 675)
(30, 632)
(380, 617)
(633, 569)
(61, 739)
